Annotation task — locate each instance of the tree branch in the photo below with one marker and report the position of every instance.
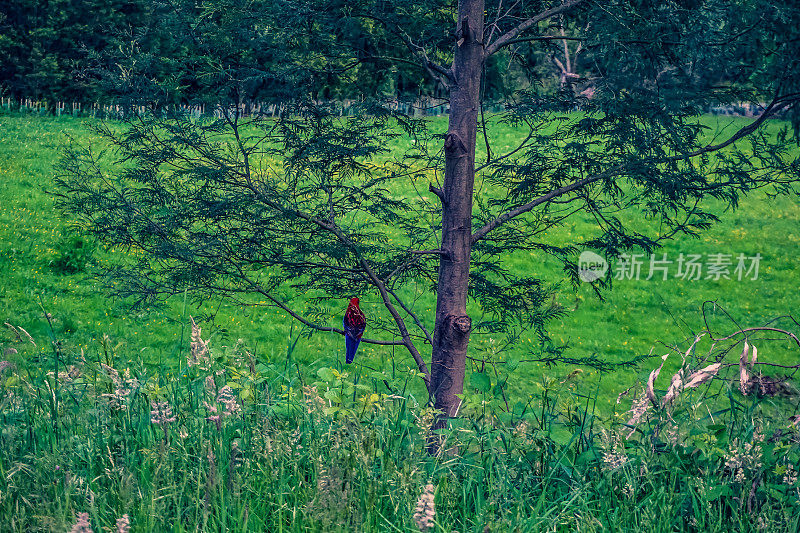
(312, 325)
(401, 325)
(506, 38)
(544, 38)
(437, 191)
(332, 227)
(407, 342)
(438, 72)
(417, 321)
(777, 104)
(508, 215)
(507, 154)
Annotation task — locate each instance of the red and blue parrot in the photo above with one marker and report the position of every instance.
(354, 325)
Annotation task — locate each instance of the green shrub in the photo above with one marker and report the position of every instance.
(73, 253)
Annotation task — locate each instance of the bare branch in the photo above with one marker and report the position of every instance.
(428, 252)
(496, 20)
(312, 325)
(748, 330)
(437, 191)
(506, 38)
(560, 65)
(417, 321)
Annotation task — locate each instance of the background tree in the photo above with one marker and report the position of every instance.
(317, 203)
(51, 49)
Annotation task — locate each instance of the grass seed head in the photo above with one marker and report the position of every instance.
(199, 354)
(123, 386)
(790, 476)
(123, 524)
(26, 334)
(639, 407)
(82, 525)
(314, 402)
(161, 413)
(614, 457)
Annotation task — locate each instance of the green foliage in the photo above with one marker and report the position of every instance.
(207, 53)
(207, 203)
(235, 51)
(250, 203)
(311, 201)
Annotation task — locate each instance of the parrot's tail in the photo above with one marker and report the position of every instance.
(351, 345)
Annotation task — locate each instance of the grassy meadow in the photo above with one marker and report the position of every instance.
(101, 414)
(633, 319)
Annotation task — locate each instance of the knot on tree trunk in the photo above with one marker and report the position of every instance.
(462, 323)
(453, 145)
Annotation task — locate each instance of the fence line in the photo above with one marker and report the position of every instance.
(423, 106)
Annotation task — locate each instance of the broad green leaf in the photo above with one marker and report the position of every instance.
(480, 381)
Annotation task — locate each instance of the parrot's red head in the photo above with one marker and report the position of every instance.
(354, 301)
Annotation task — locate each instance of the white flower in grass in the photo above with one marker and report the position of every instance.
(425, 512)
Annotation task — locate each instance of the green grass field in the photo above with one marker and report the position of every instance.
(103, 416)
(633, 319)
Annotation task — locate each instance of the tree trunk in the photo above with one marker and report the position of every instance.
(451, 334)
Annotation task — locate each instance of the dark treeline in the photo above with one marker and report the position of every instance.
(244, 52)
(55, 49)
(194, 52)
(184, 51)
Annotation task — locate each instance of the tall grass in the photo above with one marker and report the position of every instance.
(243, 443)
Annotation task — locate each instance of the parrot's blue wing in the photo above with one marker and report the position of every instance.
(352, 338)
(352, 345)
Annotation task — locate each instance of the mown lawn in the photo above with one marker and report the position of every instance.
(633, 319)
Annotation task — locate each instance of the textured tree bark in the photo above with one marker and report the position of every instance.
(451, 334)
